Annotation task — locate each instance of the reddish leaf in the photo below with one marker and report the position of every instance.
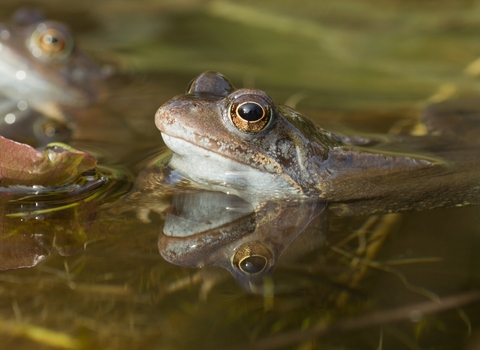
(59, 164)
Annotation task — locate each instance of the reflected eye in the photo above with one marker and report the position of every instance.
(47, 131)
(252, 258)
(250, 113)
(53, 41)
(253, 264)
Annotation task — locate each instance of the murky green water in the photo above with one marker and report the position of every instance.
(373, 284)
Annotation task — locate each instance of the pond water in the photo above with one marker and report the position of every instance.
(100, 276)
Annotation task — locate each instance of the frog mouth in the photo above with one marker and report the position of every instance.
(35, 83)
(201, 212)
(35, 92)
(206, 165)
(200, 223)
(185, 148)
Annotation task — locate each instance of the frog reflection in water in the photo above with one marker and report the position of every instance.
(240, 142)
(43, 72)
(204, 228)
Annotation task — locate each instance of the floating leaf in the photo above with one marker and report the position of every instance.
(59, 164)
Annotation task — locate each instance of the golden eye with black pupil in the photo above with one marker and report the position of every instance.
(251, 258)
(250, 114)
(52, 41)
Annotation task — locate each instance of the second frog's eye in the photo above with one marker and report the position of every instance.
(250, 113)
(51, 42)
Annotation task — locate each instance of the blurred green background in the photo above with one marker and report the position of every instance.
(343, 54)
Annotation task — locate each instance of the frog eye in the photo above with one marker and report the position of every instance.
(250, 114)
(51, 42)
(252, 258)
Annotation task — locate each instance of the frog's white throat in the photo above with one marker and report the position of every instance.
(220, 173)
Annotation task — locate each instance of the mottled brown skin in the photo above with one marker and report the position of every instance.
(291, 158)
(449, 179)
